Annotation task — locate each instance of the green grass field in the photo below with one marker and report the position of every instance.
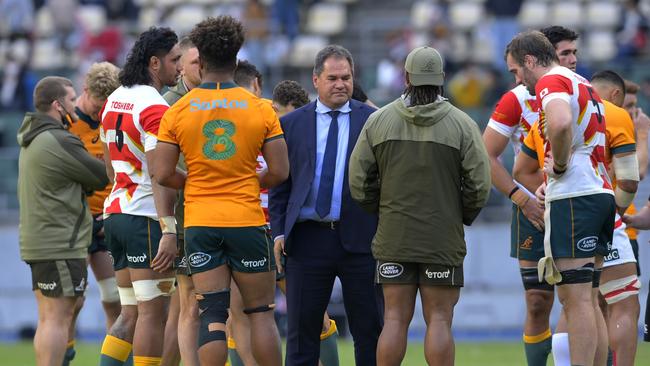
(467, 354)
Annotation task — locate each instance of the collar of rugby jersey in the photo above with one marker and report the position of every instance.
(225, 85)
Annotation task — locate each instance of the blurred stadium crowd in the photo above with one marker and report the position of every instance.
(63, 37)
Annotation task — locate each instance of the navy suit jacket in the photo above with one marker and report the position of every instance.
(357, 227)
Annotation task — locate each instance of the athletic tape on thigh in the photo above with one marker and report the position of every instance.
(620, 289)
(213, 308)
(127, 296)
(108, 290)
(146, 290)
(531, 280)
(546, 269)
(584, 274)
(259, 309)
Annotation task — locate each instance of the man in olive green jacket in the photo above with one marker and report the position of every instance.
(55, 174)
(421, 164)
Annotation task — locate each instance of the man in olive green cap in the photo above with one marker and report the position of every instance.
(435, 177)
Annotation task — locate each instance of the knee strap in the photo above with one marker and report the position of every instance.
(531, 280)
(620, 289)
(584, 274)
(596, 281)
(213, 313)
(259, 309)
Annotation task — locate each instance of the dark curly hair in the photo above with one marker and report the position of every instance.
(289, 92)
(218, 41)
(153, 42)
(246, 72)
(557, 34)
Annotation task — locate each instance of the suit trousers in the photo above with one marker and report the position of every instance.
(317, 258)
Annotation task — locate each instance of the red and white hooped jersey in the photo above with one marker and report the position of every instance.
(514, 115)
(264, 192)
(130, 121)
(587, 169)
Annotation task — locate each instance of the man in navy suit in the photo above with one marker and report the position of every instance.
(315, 222)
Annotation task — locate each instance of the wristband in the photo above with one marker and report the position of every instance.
(168, 224)
(520, 198)
(513, 192)
(559, 172)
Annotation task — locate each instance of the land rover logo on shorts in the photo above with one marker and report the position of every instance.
(199, 259)
(390, 270)
(587, 244)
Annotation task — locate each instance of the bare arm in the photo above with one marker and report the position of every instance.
(495, 144)
(641, 126)
(164, 170)
(277, 160)
(165, 200)
(560, 134)
(109, 167)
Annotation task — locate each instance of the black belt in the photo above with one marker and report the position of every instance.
(332, 225)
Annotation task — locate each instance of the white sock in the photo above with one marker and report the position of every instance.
(561, 354)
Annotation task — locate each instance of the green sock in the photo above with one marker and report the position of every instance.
(69, 355)
(610, 357)
(115, 352)
(329, 353)
(235, 360)
(537, 348)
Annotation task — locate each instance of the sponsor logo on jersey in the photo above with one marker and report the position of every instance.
(543, 93)
(391, 270)
(199, 105)
(46, 286)
(199, 259)
(527, 244)
(136, 258)
(82, 286)
(441, 274)
(612, 256)
(254, 263)
(587, 244)
(123, 106)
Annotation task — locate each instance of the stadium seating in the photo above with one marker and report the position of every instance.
(326, 19)
(305, 49)
(567, 13)
(533, 14)
(465, 15)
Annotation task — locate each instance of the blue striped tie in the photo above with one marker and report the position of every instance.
(324, 198)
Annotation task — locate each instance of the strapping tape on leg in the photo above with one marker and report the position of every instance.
(127, 296)
(620, 289)
(213, 313)
(584, 274)
(108, 290)
(531, 280)
(547, 271)
(546, 268)
(147, 290)
(259, 309)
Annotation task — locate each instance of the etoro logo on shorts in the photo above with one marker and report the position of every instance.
(136, 258)
(253, 263)
(199, 259)
(46, 286)
(441, 274)
(587, 244)
(391, 270)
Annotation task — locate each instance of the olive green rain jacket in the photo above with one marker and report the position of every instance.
(425, 170)
(55, 172)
